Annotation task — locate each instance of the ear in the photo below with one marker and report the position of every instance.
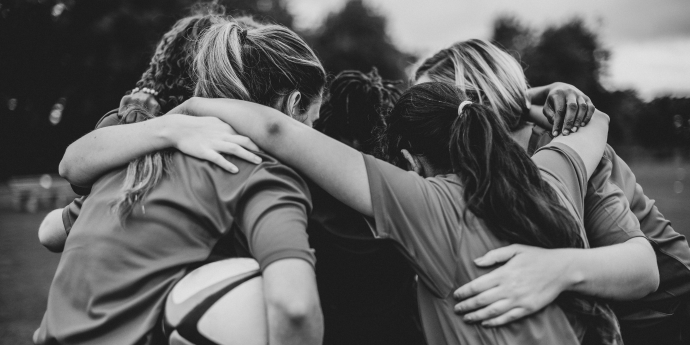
(293, 104)
(413, 163)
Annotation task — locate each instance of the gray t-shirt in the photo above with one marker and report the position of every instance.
(425, 216)
(112, 280)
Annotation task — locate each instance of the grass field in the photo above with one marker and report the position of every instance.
(26, 268)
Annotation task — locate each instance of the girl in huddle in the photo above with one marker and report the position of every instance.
(143, 226)
(495, 78)
(366, 287)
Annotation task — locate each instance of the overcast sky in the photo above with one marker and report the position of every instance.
(649, 39)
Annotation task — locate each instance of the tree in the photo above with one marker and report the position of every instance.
(356, 38)
(82, 55)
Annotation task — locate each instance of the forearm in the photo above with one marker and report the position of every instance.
(536, 115)
(292, 303)
(625, 271)
(537, 95)
(107, 148)
(334, 166)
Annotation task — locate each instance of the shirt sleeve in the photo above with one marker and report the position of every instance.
(565, 171)
(272, 213)
(410, 210)
(71, 212)
(608, 217)
(111, 118)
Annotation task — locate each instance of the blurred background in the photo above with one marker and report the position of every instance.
(63, 64)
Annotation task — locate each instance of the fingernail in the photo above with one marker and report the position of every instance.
(233, 170)
(257, 160)
(566, 132)
(574, 129)
(479, 260)
(486, 324)
(555, 133)
(467, 318)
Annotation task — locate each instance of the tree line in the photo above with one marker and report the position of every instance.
(64, 63)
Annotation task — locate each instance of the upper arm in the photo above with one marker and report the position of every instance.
(272, 213)
(589, 142)
(334, 166)
(608, 217)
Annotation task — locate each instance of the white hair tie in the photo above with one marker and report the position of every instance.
(462, 106)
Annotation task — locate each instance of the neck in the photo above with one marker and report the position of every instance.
(523, 134)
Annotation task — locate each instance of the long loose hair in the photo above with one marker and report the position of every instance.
(483, 72)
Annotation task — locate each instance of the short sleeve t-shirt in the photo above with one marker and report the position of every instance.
(112, 279)
(425, 216)
(611, 187)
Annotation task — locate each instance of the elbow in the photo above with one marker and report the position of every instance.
(602, 116)
(51, 245)
(651, 283)
(297, 312)
(649, 270)
(63, 168)
(49, 241)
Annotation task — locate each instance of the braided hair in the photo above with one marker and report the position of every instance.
(356, 107)
(170, 69)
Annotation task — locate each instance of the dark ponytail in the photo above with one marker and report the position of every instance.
(502, 186)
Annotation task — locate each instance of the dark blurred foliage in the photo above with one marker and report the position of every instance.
(65, 63)
(78, 56)
(355, 38)
(572, 53)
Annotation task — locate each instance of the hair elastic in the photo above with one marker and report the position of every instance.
(243, 36)
(151, 92)
(462, 106)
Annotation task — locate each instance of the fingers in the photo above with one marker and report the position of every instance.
(217, 159)
(590, 112)
(496, 256)
(492, 311)
(479, 301)
(558, 108)
(571, 110)
(242, 141)
(581, 113)
(477, 286)
(237, 151)
(507, 317)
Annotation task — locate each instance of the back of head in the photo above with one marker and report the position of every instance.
(501, 184)
(262, 64)
(356, 107)
(485, 73)
(257, 63)
(169, 71)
